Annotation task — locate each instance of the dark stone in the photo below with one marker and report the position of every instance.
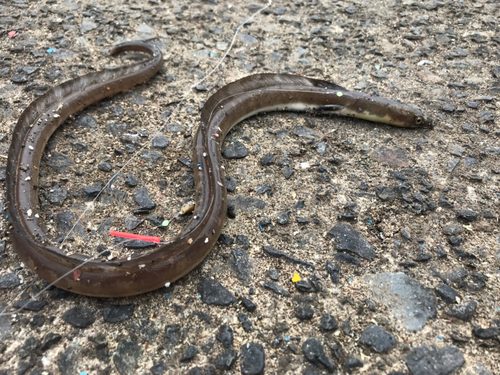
(371, 306)
(65, 220)
(143, 200)
(134, 244)
(9, 281)
(287, 172)
(89, 192)
(352, 362)
(279, 254)
(37, 321)
(101, 347)
(447, 293)
(50, 340)
(452, 164)
(486, 333)
(315, 354)
(453, 229)
(248, 304)
(235, 150)
(53, 73)
(443, 361)
(448, 108)
(19, 77)
(241, 263)
(443, 202)
(304, 311)
(226, 359)
(247, 204)
(175, 128)
(127, 357)
(160, 141)
(191, 351)
(423, 257)
(304, 132)
(129, 148)
(302, 220)
(454, 275)
(276, 288)
(384, 193)
(455, 241)
(80, 317)
(405, 233)
(245, 322)
(467, 215)
(225, 239)
(172, 336)
(30, 305)
(303, 286)
(159, 368)
(346, 258)
(118, 111)
(463, 311)
(24, 366)
(115, 129)
(309, 370)
(380, 340)
(203, 316)
(467, 128)
(252, 360)
(469, 162)
(213, 293)
(281, 10)
(346, 238)
(151, 156)
(105, 167)
(262, 189)
(231, 184)
(195, 371)
(463, 254)
(328, 323)
(399, 176)
(68, 360)
(118, 313)
(496, 71)
(132, 222)
(131, 180)
(273, 274)
(56, 194)
(225, 336)
(30, 346)
(268, 159)
(59, 162)
(348, 216)
(486, 116)
(334, 271)
(283, 217)
(265, 222)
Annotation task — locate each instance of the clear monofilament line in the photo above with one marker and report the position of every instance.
(135, 155)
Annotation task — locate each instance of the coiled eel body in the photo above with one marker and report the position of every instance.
(227, 107)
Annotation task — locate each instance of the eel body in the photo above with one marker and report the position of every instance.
(230, 105)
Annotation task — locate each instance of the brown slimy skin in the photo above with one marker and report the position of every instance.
(224, 109)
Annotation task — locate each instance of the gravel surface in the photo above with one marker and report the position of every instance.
(350, 247)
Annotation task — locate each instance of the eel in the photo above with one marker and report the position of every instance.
(228, 106)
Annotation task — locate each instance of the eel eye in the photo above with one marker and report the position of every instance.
(419, 120)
